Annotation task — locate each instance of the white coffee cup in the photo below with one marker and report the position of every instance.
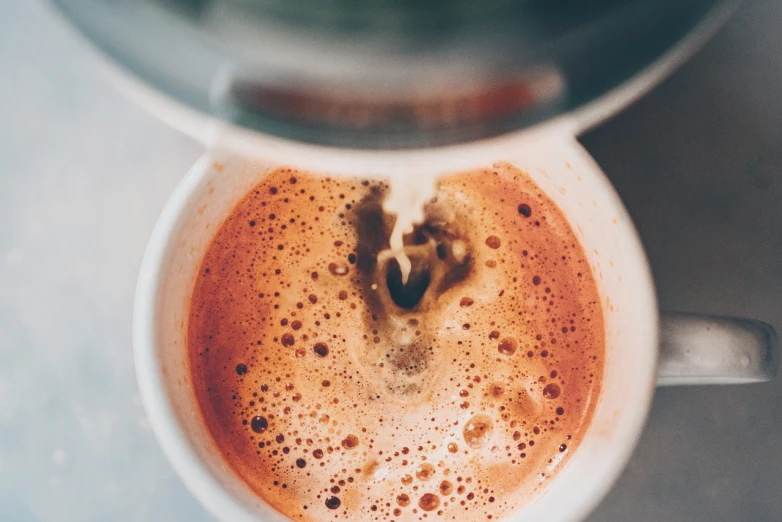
(694, 349)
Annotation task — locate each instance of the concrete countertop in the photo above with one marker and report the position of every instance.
(84, 174)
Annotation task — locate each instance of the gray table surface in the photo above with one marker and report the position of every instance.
(84, 174)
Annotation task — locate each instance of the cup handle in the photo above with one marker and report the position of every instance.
(704, 349)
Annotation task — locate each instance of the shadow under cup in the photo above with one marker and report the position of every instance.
(559, 166)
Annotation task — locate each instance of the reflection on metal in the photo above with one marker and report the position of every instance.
(345, 108)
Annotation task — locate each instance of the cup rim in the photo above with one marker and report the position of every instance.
(171, 435)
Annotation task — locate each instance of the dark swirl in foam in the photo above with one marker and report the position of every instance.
(335, 392)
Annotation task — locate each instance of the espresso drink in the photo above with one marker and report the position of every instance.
(335, 391)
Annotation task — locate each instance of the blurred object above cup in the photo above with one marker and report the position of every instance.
(389, 73)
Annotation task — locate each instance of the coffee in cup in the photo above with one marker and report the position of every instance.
(336, 391)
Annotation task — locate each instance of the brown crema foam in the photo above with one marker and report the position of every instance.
(335, 392)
